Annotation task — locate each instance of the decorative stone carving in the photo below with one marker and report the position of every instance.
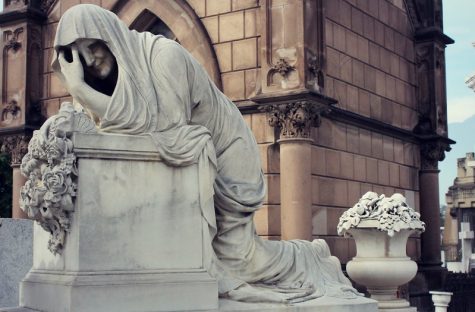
(432, 152)
(11, 39)
(380, 226)
(50, 166)
(16, 146)
(10, 112)
(283, 67)
(295, 120)
(293, 46)
(391, 214)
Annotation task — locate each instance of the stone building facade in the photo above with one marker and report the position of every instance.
(460, 200)
(343, 97)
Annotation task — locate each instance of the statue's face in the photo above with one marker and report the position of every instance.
(97, 56)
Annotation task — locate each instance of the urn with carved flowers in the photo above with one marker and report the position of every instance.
(380, 226)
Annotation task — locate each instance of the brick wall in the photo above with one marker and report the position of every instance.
(370, 71)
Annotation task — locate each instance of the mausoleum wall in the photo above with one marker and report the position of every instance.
(369, 62)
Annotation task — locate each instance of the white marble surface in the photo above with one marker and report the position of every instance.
(16, 256)
(136, 241)
(327, 304)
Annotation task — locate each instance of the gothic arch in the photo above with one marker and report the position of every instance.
(181, 20)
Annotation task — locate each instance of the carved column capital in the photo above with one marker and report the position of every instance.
(432, 152)
(16, 146)
(295, 119)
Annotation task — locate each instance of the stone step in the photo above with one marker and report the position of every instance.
(326, 304)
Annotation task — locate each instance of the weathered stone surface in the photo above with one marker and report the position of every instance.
(16, 257)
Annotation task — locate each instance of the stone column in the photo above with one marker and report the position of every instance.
(295, 121)
(431, 153)
(429, 203)
(17, 147)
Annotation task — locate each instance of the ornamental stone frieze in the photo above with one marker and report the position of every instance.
(296, 119)
(16, 146)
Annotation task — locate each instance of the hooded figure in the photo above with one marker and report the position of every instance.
(161, 90)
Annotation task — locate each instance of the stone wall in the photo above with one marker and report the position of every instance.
(371, 72)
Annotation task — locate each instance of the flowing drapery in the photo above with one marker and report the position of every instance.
(164, 92)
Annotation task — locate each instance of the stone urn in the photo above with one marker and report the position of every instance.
(381, 226)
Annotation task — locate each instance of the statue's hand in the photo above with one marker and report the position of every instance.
(73, 73)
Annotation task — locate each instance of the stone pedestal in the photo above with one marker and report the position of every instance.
(135, 241)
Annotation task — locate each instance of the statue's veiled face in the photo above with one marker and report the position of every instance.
(99, 60)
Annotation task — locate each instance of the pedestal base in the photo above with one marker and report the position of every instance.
(137, 240)
(119, 291)
(327, 304)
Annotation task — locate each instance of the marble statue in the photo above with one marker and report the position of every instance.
(143, 84)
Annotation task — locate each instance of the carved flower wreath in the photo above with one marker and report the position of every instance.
(391, 214)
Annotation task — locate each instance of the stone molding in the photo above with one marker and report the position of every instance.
(296, 119)
(16, 146)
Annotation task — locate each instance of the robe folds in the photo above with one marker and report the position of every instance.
(162, 91)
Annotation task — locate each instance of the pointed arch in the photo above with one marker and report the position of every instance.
(183, 22)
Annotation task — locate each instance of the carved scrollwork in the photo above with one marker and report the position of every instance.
(16, 146)
(283, 67)
(295, 120)
(50, 166)
(432, 152)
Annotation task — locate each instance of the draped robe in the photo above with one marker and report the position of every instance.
(164, 92)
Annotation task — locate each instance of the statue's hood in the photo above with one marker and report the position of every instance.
(133, 107)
